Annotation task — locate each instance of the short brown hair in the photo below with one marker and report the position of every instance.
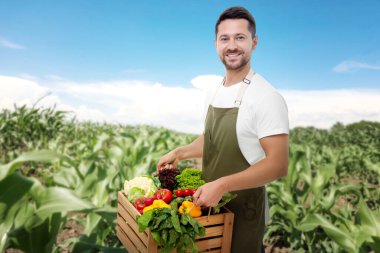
(237, 12)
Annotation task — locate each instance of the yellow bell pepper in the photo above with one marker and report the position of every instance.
(190, 208)
(157, 204)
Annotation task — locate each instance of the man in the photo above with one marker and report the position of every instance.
(245, 142)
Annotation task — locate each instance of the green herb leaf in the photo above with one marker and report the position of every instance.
(227, 197)
(173, 236)
(157, 237)
(144, 220)
(161, 218)
(165, 236)
(176, 224)
(184, 219)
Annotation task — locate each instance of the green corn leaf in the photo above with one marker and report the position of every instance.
(57, 199)
(92, 220)
(375, 244)
(367, 218)
(67, 178)
(41, 238)
(108, 213)
(35, 156)
(13, 188)
(309, 223)
(100, 141)
(7, 223)
(344, 239)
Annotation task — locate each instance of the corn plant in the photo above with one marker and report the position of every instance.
(54, 169)
(305, 205)
(31, 215)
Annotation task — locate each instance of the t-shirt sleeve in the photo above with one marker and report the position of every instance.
(272, 116)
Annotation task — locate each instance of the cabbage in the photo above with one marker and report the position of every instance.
(135, 193)
(139, 187)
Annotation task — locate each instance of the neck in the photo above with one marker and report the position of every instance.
(236, 75)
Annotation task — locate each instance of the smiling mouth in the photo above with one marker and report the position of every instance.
(233, 55)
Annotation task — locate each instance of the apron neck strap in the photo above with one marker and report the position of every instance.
(245, 83)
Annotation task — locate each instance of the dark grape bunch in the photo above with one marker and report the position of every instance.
(167, 178)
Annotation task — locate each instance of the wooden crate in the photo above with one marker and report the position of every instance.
(217, 238)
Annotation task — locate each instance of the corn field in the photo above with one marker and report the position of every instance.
(55, 171)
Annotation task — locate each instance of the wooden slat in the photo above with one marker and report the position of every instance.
(125, 241)
(122, 199)
(121, 211)
(212, 220)
(209, 244)
(132, 235)
(132, 222)
(227, 233)
(212, 231)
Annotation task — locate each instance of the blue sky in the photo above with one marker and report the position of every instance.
(300, 42)
(148, 62)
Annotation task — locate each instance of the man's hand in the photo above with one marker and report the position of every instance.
(209, 194)
(192, 150)
(170, 160)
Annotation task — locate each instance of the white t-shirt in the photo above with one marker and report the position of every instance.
(263, 112)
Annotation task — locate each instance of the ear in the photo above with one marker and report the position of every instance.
(254, 42)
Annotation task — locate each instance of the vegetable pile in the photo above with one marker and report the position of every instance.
(168, 211)
(170, 230)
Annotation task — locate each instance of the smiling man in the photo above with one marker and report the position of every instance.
(245, 141)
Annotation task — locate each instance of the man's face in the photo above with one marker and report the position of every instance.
(234, 43)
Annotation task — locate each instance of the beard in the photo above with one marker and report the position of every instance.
(236, 64)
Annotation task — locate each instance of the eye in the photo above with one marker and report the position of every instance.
(223, 39)
(240, 38)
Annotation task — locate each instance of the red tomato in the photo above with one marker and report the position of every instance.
(193, 191)
(164, 194)
(179, 193)
(140, 204)
(149, 201)
(187, 192)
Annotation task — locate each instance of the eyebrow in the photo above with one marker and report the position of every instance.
(236, 34)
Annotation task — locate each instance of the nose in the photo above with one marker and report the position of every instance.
(232, 45)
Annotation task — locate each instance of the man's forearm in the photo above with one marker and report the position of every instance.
(272, 167)
(256, 175)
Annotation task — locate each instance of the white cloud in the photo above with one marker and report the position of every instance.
(9, 44)
(202, 82)
(347, 66)
(323, 108)
(139, 102)
(22, 91)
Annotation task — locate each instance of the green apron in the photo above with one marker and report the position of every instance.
(222, 157)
